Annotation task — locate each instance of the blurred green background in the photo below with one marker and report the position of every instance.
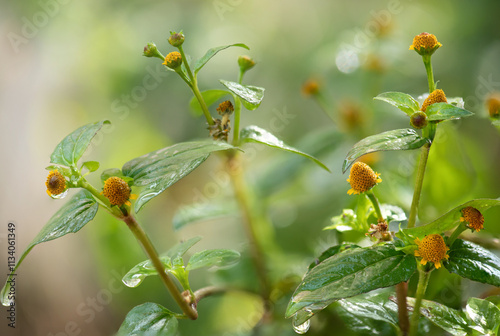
(68, 63)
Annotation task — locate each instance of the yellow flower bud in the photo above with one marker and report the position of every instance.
(432, 249)
(362, 178)
(437, 96)
(425, 44)
(310, 88)
(493, 103)
(173, 60)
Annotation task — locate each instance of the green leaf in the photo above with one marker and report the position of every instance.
(392, 213)
(251, 95)
(451, 219)
(72, 147)
(145, 268)
(345, 222)
(484, 314)
(352, 272)
(402, 101)
(374, 306)
(400, 139)
(77, 212)
(331, 252)
(180, 249)
(210, 97)
(259, 135)
(211, 53)
(158, 170)
(209, 258)
(201, 212)
(444, 111)
(446, 318)
(91, 166)
(149, 319)
(473, 262)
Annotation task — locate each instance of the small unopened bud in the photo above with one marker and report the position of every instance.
(150, 50)
(176, 39)
(173, 60)
(493, 104)
(418, 119)
(245, 63)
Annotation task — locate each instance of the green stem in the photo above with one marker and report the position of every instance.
(324, 105)
(188, 309)
(186, 63)
(194, 87)
(418, 185)
(430, 74)
(242, 196)
(461, 228)
(102, 199)
(237, 114)
(423, 280)
(240, 76)
(375, 203)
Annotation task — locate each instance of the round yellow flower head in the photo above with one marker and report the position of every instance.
(310, 88)
(362, 178)
(117, 191)
(437, 96)
(425, 44)
(493, 104)
(432, 248)
(173, 60)
(473, 217)
(226, 107)
(56, 183)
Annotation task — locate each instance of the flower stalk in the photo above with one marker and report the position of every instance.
(188, 309)
(423, 280)
(418, 185)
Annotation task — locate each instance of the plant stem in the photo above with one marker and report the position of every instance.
(423, 280)
(188, 309)
(430, 74)
(208, 291)
(241, 192)
(418, 185)
(237, 114)
(101, 199)
(324, 105)
(404, 322)
(375, 203)
(195, 89)
(461, 228)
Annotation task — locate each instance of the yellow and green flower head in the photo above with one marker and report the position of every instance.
(310, 88)
(173, 60)
(117, 191)
(432, 249)
(425, 44)
(493, 104)
(437, 96)
(362, 178)
(56, 183)
(473, 218)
